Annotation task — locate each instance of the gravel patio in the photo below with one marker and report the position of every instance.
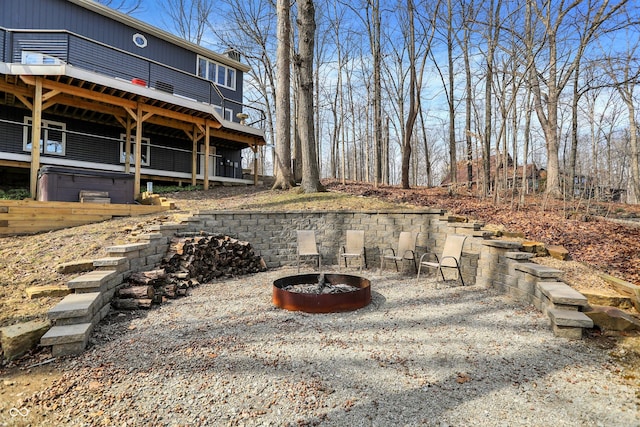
(417, 355)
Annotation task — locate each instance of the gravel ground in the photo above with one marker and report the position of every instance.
(417, 355)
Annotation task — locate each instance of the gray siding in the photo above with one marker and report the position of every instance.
(54, 44)
(3, 37)
(62, 15)
(84, 54)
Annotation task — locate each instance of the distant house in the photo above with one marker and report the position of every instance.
(533, 174)
(110, 93)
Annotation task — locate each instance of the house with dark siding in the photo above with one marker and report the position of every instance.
(83, 86)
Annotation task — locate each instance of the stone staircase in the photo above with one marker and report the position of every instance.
(75, 316)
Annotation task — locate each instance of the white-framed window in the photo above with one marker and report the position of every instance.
(53, 137)
(146, 150)
(38, 58)
(139, 40)
(221, 75)
(228, 113)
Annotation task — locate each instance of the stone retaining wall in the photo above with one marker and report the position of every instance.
(273, 234)
(485, 262)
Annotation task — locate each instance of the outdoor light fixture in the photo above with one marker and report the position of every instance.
(243, 117)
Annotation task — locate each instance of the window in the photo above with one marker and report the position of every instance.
(217, 73)
(228, 113)
(52, 137)
(146, 150)
(139, 40)
(38, 58)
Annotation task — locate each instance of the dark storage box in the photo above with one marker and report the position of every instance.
(62, 184)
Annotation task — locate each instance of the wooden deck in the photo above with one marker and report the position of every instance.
(28, 216)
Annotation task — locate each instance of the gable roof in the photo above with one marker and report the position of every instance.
(157, 32)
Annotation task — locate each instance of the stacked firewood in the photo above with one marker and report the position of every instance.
(143, 289)
(189, 262)
(207, 257)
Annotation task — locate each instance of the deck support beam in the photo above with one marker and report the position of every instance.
(36, 132)
(207, 150)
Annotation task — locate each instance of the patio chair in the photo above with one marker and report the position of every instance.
(354, 248)
(406, 250)
(307, 246)
(450, 257)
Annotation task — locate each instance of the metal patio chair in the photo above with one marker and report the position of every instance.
(354, 248)
(307, 246)
(406, 250)
(450, 258)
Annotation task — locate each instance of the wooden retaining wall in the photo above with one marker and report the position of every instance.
(29, 216)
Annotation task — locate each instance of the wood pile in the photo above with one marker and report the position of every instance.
(189, 262)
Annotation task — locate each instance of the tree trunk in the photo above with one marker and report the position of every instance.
(304, 67)
(284, 178)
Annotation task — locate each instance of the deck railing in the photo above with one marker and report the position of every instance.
(98, 57)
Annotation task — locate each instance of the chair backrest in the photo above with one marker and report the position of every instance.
(452, 249)
(355, 241)
(407, 242)
(307, 242)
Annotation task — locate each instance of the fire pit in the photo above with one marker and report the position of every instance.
(321, 293)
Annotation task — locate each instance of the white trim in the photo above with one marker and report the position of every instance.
(217, 76)
(139, 40)
(47, 126)
(146, 152)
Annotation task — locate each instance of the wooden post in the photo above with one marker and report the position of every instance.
(127, 146)
(136, 182)
(194, 156)
(207, 135)
(36, 132)
(254, 148)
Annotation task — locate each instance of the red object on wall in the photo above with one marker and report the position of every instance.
(139, 82)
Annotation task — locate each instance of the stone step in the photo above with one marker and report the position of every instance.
(94, 281)
(576, 319)
(538, 270)
(67, 334)
(118, 264)
(69, 339)
(78, 307)
(562, 294)
(568, 323)
(131, 250)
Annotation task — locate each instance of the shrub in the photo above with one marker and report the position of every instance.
(15, 194)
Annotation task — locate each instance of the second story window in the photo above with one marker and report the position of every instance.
(217, 73)
(38, 58)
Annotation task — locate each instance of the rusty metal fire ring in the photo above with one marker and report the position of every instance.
(322, 303)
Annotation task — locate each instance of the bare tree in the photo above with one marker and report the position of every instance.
(417, 56)
(284, 178)
(188, 18)
(304, 71)
(250, 29)
(562, 19)
(125, 6)
(624, 73)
